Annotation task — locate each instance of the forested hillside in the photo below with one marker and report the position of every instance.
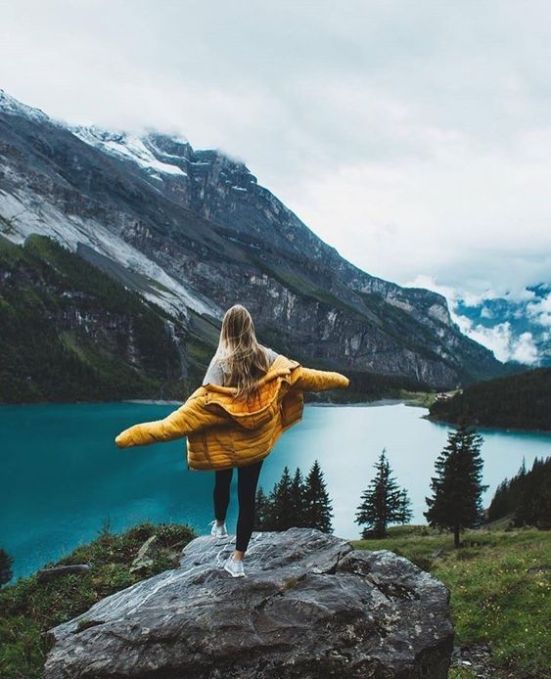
(521, 401)
(526, 497)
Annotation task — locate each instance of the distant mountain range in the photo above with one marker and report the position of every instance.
(192, 232)
(519, 328)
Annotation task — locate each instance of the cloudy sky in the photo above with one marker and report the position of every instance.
(414, 136)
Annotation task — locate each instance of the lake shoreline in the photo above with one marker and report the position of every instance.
(488, 427)
(317, 404)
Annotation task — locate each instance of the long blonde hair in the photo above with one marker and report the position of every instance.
(241, 357)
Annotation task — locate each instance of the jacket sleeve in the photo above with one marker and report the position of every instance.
(189, 417)
(309, 379)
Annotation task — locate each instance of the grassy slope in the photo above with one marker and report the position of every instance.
(495, 598)
(29, 608)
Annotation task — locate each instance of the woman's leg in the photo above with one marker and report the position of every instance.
(247, 479)
(221, 494)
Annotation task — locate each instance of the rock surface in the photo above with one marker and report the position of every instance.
(311, 607)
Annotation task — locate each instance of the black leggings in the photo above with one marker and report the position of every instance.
(247, 478)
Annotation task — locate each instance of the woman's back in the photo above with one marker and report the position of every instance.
(215, 372)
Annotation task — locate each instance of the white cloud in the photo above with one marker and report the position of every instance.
(414, 137)
(485, 312)
(540, 311)
(524, 350)
(453, 295)
(501, 340)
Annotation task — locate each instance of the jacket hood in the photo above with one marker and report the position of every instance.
(257, 410)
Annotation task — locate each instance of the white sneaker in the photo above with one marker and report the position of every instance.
(218, 531)
(234, 567)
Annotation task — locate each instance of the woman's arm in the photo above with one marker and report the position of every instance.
(308, 379)
(191, 416)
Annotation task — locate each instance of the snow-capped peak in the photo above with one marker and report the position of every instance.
(11, 105)
(129, 146)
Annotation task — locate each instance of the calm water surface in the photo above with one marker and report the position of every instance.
(62, 477)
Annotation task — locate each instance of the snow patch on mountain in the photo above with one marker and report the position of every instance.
(515, 326)
(12, 106)
(128, 147)
(21, 217)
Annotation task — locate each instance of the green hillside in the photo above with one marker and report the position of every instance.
(526, 497)
(500, 586)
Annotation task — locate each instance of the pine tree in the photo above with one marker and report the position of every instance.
(6, 563)
(534, 506)
(281, 503)
(262, 511)
(405, 512)
(383, 502)
(298, 499)
(457, 488)
(317, 504)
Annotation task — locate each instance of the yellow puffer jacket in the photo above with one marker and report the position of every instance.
(224, 432)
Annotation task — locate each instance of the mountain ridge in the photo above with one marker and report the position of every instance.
(521, 323)
(207, 236)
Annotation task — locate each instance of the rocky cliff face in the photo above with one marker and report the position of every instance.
(192, 230)
(310, 607)
(68, 331)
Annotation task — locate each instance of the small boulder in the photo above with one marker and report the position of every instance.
(310, 607)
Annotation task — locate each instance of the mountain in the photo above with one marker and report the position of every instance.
(521, 324)
(192, 232)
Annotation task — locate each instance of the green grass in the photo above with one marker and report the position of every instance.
(29, 608)
(418, 398)
(495, 598)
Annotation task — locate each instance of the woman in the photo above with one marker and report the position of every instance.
(249, 396)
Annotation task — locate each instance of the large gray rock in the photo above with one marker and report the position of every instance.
(311, 606)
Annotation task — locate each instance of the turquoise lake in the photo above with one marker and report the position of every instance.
(62, 477)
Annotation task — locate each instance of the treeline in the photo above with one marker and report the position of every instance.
(526, 497)
(295, 501)
(520, 401)
(372, 386)
(6, 563)
(455, 503)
